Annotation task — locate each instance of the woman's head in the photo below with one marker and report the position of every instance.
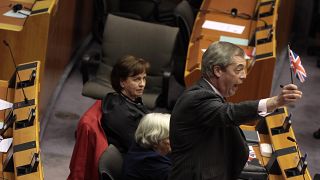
(129, 76)
(153, 132)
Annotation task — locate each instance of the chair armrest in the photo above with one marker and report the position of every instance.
(163, 98)
(154, 1)
(127, 15)
(89, 61)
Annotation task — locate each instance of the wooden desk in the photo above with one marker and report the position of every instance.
(48, 36)
(285, 152)
(245, 6)
(25, 130)
(10, 23)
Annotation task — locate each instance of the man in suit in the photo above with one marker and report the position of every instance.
(206, 141)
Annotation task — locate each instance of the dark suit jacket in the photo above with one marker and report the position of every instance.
(120, 119)
(145, 164)
(206, 141)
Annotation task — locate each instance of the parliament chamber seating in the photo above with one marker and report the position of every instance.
(110, 164)
(144, 40)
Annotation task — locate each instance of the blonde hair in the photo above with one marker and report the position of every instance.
(152, 128)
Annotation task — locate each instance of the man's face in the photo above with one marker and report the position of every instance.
(133, 86)
(232, 76)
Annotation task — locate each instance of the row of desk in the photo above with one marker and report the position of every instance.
(251, 24)
(21, 122)
(285, 158)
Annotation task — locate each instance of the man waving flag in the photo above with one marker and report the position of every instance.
(296, 66)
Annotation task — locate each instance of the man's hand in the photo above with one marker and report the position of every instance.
(289, 94)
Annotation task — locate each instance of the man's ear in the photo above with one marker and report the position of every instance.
(217, 71)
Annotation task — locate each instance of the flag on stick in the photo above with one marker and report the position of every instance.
(296, 66)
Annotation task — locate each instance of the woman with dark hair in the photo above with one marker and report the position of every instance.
(123, 109)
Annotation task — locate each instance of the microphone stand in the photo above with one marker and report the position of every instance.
(298, 149)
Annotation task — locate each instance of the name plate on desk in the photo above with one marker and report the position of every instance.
(220, 26)
(237, 41)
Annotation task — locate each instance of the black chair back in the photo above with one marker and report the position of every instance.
(110, 164)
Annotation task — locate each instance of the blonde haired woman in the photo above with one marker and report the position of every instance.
(147, 159)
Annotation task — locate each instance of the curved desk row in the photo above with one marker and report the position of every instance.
(21, 122)
(286, 161)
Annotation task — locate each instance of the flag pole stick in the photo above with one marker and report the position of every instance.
(290, 64)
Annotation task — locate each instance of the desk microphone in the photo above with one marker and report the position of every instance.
(291, 139)
(234, 12)
(17, 7)
(295, 142)
(264, 22)
(15, 66)
(302, 161)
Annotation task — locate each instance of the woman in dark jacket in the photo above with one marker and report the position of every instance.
(123, 109)
(146, 159)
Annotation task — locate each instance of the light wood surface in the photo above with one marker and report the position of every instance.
(279, 142)
(50, 35)
(27, 134)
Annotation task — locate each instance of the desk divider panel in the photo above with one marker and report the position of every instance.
(22, 161)
(286, 153)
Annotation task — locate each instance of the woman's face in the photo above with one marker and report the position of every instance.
(133, 86)
(163, 147)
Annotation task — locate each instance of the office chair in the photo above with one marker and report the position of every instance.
(184, 20)
(144, 8)
(139, 9)
(164, 11)
(152, 42)
(110, 164)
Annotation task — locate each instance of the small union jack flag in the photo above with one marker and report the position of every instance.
(296, 66)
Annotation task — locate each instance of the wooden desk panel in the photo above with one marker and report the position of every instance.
(29, 134)
(290, 161)
(214, 35)
(48, 37)
(246, 6)
(278, 142)
(196, 51)
(11, 23)
(192, 77)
